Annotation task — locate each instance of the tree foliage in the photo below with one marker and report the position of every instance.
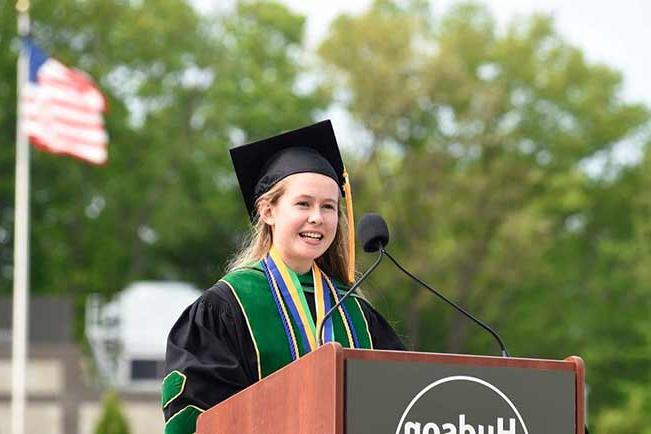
(181, 89)
(479, 150)
(112, 420)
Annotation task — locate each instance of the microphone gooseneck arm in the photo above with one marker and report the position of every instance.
(481, 324)
(350, 291)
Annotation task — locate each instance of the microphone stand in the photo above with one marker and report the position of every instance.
(479, 322)
(350, 291)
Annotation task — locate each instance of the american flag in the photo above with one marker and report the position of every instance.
(61, 109)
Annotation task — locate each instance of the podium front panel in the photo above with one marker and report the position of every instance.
(384, 396)
(335, 391)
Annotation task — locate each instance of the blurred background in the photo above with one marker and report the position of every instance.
(506, 144)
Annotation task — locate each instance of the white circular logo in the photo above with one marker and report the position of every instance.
(460, 426)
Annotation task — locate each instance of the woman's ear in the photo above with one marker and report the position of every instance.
(267, 214)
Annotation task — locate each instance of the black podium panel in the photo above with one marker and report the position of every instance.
(424, 398)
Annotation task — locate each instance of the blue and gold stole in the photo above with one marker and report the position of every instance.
(298, 324)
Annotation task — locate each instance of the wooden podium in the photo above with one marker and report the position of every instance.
(335, 391)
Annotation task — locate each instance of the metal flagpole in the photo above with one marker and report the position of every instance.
(21, 244)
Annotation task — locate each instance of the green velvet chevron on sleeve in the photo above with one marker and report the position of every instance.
(173, 385)
(183, 422)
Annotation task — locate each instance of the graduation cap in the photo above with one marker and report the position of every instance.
(262, 164)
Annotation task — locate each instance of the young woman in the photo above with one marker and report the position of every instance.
(297, 261)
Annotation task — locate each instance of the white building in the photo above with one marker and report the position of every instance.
(128, 335)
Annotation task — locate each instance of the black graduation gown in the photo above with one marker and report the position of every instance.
(211, 345)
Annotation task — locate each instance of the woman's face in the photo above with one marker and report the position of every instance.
(304, 219)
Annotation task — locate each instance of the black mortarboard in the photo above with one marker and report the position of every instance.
(261, 164)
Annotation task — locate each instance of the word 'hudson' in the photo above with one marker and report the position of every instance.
(461, 428)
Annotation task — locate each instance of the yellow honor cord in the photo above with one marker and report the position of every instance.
(351, 228)
(318, 297)
(292, 336)
(340, 309)
(293, 292)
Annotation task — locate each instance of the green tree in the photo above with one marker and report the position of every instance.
(631, 418)
(181, 89)
(112, 419)
(476, 153)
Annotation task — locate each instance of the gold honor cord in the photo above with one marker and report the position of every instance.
(305, 321)
(290, 330)
(319, 299)
(321, 292)
(289, 293)
(345, 319)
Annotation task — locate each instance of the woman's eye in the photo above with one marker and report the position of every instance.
(302, 203)
(329, 206)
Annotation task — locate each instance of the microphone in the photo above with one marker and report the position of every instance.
(376, 237)
(373, 232)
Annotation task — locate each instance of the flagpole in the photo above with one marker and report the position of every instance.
(21, 244)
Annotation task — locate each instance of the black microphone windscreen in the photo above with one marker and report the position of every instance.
(372, 232)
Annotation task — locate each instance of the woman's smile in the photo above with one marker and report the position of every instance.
(311, 236)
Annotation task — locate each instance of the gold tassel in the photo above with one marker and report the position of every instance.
(351, 228)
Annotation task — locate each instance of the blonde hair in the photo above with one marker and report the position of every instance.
(256, 245)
